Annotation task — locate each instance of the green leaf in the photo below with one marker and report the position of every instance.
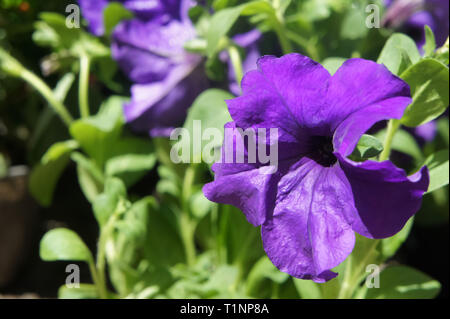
(402, 282)
(430, 42)
(212, 112)
(200, 205)
(46, 174)
(368, 147)
(131, 159)
(163, 244)
(97, 134)
(223, 20)
(389, 246)
(429, 81)
(399, 52)
(333, 64)
(442, 54)
(106, 203)
(262, 270)
(221, 23)
(63, 244)
(113, 14)
(52, 31)
(58, 150)
(404, 142)
(354, 25)
(85, 291)
(307, 289)
(438, 166)
(443, 129)
(90, 177)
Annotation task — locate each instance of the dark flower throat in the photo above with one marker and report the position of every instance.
(322, 151)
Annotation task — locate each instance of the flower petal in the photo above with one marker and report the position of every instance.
(93, 12)
(159, 107)
(360, 94)
(309, 234)
(385, 198)
(242, 184)
(284, 92)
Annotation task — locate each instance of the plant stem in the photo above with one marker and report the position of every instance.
(187, 234)
(105, 233)
(14, 68)
(101, 262)
(307, 45)
(353, 276)
(279, 27)
(48, 95)
(97, 281)
(285, 43)
(236, 61)
(83, 97)
(393, 126)
(187, 226)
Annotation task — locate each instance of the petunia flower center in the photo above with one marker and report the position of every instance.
(322, 151)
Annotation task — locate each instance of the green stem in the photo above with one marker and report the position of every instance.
(285, 43)
(187, 229)
(96, 279)
(236, 61)
(101, 265)
(187, 226)
(280, 29)
(307, 45)
(83, 95)
(48, 95)
(353, 276)
(105, 233)
(14, 68)
(393, 127)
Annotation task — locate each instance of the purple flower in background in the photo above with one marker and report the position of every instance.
(143, 9)
(167, 78)
(310, 208)
(426, 132)
(248, 41)
(150, 51)
(411, 16)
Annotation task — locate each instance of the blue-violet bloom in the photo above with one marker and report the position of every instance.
(411, 16)
(150, 51)
(164, 10)
(310, 209)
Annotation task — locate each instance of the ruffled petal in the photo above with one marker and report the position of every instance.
(360, 94)
(143, 51)
(308, 234)
(358, 84)
(243, 185)
(284, 92)
(385, 198)
(159, 107)
(350, 130)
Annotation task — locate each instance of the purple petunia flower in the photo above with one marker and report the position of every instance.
(412, 16)
(310, 208)
(143, 9)
(167, 78)
(150, 51)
